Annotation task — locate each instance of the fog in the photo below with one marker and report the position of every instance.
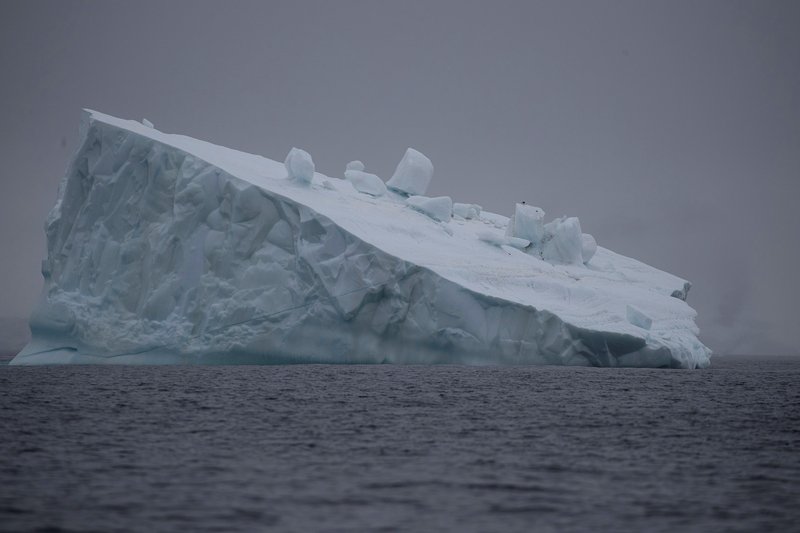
(672, 129)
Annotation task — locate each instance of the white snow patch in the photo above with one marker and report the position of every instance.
(492, 238)
(496, 239)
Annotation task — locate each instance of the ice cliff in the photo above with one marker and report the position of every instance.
(166, 249)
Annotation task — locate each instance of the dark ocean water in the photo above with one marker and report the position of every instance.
(352, 448)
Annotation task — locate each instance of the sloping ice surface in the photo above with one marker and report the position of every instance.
(167, 249)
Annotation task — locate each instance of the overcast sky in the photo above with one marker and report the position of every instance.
(671, 129)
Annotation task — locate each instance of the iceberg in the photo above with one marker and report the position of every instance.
(527, 222)
(163, 249)
(413, 174)
(563, 241)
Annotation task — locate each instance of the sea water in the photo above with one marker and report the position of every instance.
(344, 448)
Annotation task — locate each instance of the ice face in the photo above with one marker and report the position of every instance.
(413, 174)
(166, 249)
(365, 182)
(299, 166)
(439, 208)
(355, 165)
(638, 318)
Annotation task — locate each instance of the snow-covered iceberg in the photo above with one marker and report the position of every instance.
(166, 249)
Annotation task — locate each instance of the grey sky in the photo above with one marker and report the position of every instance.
(672, 129)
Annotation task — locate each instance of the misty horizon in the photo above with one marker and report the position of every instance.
(671, 130)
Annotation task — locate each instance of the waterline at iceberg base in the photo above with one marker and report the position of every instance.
(165, 249)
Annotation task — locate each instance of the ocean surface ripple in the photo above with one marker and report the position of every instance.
(354, 448)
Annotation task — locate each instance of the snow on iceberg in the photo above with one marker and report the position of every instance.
(501, 240)
(166, 249)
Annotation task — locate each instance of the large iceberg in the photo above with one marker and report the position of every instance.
(166, 249)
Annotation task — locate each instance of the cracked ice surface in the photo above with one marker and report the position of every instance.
(166, 249)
